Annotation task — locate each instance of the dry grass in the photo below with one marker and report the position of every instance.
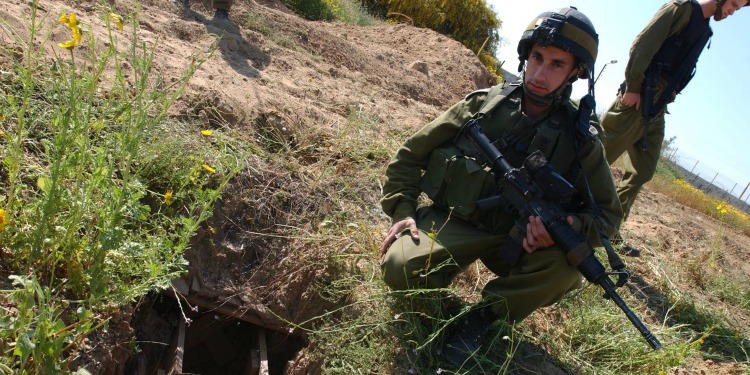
(686, 194)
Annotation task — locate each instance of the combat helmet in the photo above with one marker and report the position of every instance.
(567, 29)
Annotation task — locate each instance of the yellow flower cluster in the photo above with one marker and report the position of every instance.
(334, 6)
(72, 22)
(3, 220)
(721, 208)
(168, 197)
(691, 196)
(117, 20)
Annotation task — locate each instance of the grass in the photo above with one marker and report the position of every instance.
(393, 332)
(98, 202)
(670, 182)
(348, 11)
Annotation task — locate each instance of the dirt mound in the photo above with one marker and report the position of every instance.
(277, 75)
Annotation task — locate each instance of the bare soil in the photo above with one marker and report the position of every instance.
(275, 70)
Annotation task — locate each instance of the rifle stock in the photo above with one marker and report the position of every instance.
(525, 198)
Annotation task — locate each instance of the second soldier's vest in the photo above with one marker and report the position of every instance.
(678, 56)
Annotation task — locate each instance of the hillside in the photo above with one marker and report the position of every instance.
(326, 104)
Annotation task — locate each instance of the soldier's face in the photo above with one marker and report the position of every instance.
(728, 8)
(548, 68)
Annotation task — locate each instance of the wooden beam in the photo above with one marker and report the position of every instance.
(263, 352)
(175, 365)
(256, 317)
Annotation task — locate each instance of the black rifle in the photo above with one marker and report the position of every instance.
(648, 108)
(536, 189)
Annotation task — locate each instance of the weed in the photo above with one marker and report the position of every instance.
(88, 172)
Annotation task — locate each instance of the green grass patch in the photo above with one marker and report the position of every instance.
(99, 198)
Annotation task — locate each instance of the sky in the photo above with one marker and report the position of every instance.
(709, 118)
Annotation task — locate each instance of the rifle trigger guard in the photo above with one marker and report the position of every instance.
(622, 276)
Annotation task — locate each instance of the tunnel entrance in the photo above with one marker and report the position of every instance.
(215, 339)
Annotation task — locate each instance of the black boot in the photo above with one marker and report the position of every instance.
(623, 248)
(221, 15)
(467, 336)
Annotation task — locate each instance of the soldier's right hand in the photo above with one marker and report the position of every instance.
(632, 99)
(396, 230)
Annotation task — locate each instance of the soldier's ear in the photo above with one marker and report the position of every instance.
(580, 71)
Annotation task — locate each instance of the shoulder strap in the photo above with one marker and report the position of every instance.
(496, 95)
(684, 70)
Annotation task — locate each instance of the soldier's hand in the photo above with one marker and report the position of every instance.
(632, 99)
(396, 230)
(537, 236)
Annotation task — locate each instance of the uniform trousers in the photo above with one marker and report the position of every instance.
(623, 133)
(447, 246)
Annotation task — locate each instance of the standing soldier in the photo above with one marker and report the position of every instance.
(426, 247)
(662, 62)
(222, 9)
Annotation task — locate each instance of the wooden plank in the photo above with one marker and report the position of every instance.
(253, 361)
(175, 367)
(263, 352)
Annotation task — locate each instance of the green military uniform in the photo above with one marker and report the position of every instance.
(449, 243)
(623, 129)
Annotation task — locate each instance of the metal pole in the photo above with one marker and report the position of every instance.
(744, 190)
(735, 185)
(712, 180)
(602, 71)
(696, 164)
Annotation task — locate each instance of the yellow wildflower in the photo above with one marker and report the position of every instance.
(208, 168)
(72, 22)
(68, 45)
(76, 35)
(3, 221)
(168, 197)
(206, 133)
(721, 208)
(117, 20)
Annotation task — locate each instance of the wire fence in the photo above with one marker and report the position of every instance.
(711, 182)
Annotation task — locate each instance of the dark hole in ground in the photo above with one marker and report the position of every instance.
(214, 343)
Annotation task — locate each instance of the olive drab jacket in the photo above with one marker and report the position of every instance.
(553, 135)
(671, 19)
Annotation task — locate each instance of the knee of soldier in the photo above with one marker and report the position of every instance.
(393, 268)
(559, 275)
(568, 277)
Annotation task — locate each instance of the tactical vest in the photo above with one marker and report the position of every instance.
(455, 178)
(677, 58)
